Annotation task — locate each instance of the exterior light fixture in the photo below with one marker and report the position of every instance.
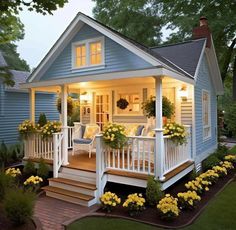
(183, 93)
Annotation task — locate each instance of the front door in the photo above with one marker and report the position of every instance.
(102, 108)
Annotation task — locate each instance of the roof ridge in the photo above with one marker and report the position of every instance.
(178, 43)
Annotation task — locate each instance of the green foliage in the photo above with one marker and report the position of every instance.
(232, 150)
(29, 168)
(43, 169)
(42, 119)
(221, 152)
(149, 107)
(194, 174)
(131, 18)
(4, 155)
(209, 162)
(16, 152)
(70, 105)
(19, 206)
(6, 182)
(153, 191)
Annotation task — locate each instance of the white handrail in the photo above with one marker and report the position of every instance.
(70, 136)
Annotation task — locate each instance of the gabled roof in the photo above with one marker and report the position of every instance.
(140, 50)
(186, 54)
(19, 77)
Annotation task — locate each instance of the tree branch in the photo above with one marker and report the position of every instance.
(234, 79)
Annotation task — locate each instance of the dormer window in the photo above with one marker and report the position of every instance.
(88, 53)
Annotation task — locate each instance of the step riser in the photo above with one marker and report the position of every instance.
(72, 188)
(78, 178)
(78, 172)
(67, 198)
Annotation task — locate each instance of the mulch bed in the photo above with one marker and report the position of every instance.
(151, 216)
(7, 225)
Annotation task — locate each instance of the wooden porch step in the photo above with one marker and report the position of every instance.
(178, 170)
(69, 196)
(127, 174)
(73, 183)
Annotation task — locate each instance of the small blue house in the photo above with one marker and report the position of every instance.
(14, 105)
(104, 66)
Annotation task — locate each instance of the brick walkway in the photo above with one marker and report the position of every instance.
(52, 212)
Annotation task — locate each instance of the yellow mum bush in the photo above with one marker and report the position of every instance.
(231, 158)
(199, 185)
(109, 200)
(168, 207)
(26, 127)
(50, 128)
(221, 171)
(188, 200)
(33, 180)
(135, 204)
(226, 164)
(13, 172)
(176, 132)
(114, 135)
(209, 175)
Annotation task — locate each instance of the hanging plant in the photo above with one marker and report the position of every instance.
(149, 107)
(122, 103)
(70, 106)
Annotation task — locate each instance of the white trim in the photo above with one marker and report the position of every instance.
(209, 116)
(200, 61)
(193, 123)
(87, 43)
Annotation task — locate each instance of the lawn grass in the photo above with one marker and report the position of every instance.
(232, 150)
(220, 214)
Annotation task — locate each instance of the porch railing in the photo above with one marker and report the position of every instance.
(57, 150)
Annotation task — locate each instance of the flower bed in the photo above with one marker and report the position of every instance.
(190, 203)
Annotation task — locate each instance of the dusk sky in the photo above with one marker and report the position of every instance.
(41, 32)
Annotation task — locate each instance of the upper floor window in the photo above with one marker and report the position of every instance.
(88, 53)
(206, 114)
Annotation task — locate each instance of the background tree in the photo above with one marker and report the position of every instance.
(137, 19)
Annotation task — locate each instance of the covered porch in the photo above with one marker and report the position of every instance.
(144, 155)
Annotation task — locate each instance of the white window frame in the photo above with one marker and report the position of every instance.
(87, 47)
(209, 117)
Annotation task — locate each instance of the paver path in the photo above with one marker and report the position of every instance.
(53, 212)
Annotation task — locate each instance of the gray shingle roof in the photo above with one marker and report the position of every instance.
(185, 55)
(18, 77)
(2, 60)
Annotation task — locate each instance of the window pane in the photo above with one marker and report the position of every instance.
(95, 53)
(80, 56)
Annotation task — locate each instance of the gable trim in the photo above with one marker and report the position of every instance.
(72, 29)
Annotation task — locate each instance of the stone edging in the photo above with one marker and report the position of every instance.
(93, 214)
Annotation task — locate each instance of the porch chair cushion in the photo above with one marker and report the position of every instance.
(139, 130)
(90, 132)
(82, 141)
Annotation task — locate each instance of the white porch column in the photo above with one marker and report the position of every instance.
(159, 142)
(64, 95)
(32, 104)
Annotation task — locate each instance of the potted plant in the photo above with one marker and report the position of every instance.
(149, 108)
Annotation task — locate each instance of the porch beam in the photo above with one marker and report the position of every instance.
(64, 94)
(32, 104)
(159, 142)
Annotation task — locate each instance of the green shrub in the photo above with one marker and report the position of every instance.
(153, 191)
(29, 168)
(43, 169)
(16, 152)
(221, 152)
(19, 206)
(6, 182)
(194, 174)
(209, 162)
(4, 155)
(42, 119)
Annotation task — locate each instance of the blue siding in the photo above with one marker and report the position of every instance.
(117, 58)
(204, 82)
(16, 110)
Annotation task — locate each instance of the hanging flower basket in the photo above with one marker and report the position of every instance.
(122, 103)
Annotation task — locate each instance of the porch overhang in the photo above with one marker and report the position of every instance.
(157, 71)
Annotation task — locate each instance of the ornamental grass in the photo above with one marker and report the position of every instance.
(188, 200)
(168, 207)
(134, 203)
